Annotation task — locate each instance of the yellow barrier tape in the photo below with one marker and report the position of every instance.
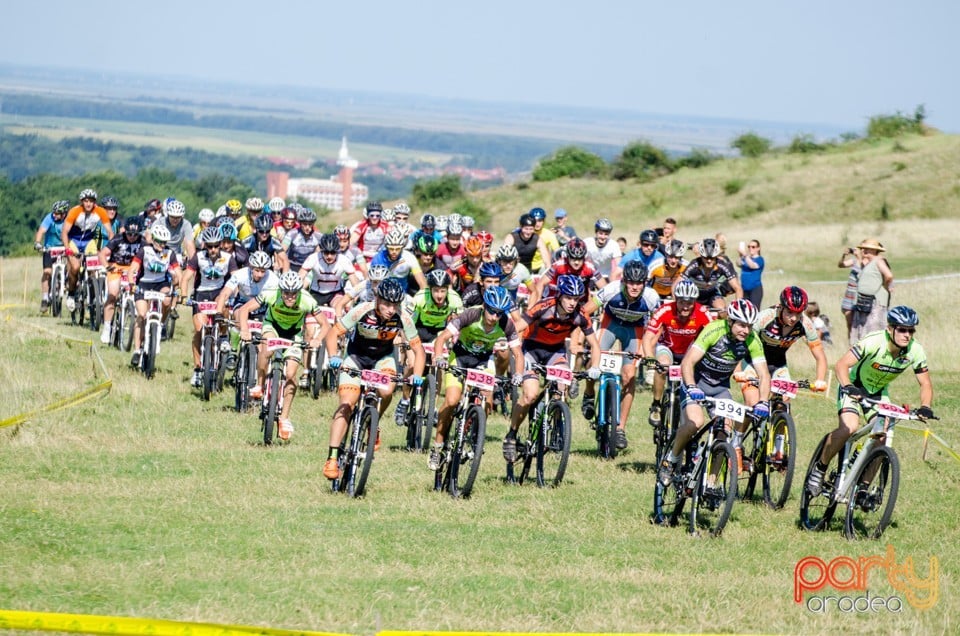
(126, 626)
(927, 434)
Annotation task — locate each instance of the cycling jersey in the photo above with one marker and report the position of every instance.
(547, 330)
(244, 227)
(406, 264)
(526, 249)
(299, 246)
(327, 278)
(709, 282)
(239, 253)
(519, 276)
(370, 238)
(427, 313)
(636, 254)
(776, 340)
(122, 252)
(287, 320)
(449, 257)
(722, 353)
(372, 336)
(617, 308)
(85, 225)
(876, 367)
(177, 234)
(52, 231)
(587, 272)
(412, 285)
(602, 257)
(550, 240)
(271, 246)
(662, 278)
(154, 265)
(213, 272)
(241, 282)
(676, 336)
(472, 338)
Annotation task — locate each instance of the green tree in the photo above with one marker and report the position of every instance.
(751, 145)
(569, 161)
(641, 160)
(436, 192)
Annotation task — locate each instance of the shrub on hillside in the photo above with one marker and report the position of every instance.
(804, 144)
(436, 192)
(888, 126)
(569, 161)
(480, 214)
(697, 158)
(641, 160)
(751, 145)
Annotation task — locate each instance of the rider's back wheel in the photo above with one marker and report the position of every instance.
(362, 453)
(874, 495)
(464, 460)
(94, 294)
(128, 323)
(272, 411)
(607, 434)
(716, 490)
(816, 511)
(429, 411)
(169, 324)
(149, 356)
(553, 445)
(57, 283)
(777, 466)
(208, 377)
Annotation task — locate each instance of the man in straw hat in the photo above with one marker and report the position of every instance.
(874, 285)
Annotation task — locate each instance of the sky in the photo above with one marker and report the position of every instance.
(835, 62)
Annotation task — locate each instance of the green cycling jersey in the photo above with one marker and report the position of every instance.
(427, 313)
(287, 318)
(876, 367)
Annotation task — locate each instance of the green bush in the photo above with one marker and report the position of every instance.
(467, 207)
(751, 145)
(889, 126)
(804, 144)
(569, 161)
(733, 186)
(436, 192)
(697, 158)
(641, 160)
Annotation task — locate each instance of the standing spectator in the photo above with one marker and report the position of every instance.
(751, 271)
(820, 322)
(622, 242)
(873, 291)
(666, 233)
(563, 231)
(849, 259)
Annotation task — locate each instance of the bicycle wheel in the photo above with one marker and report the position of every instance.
(607, 434)
(272, 412)
(149, 357)
(128, 322)
(414, 419)
(363, 453)
(464, 462)
(80, 299)
(429, 420)
(874, 495)
(716, 490)
(315, 374)
(752, 449)
(777, 468)
(206, 365)
(553, 445)
(668, 501)
(93, 291)
(240, 376)
(817, 511)
(57, 283)
(169, 324)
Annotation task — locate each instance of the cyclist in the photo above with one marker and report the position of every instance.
(707, 367)
(470, 267)
(303, 241)
(288, 223)
(602, 252)
(204, 219)
(49, 235)
(486, 238)
(373, 327)
(563, 231)
(626, 304)
(489, 275)
(710, 275)
(398, 261)
(246, 224)
(866, 370)
(263, 241)
(575, 264)
(528, 243)
(289, 312)
(154, 268)
(468, 223)
(425, 252)
(543, 259)
(327, 271)
(214, 267)
(151, 212)
(365, 292)
(452, 251)
(475, 333)
(80, 227)
(670, 331)
(546, 326)
(369, 234)
(181, 233)
(664, 276)
(401, 212)
(648, 252)
(274, 208)
(229, 244)
(112, 206)
(515, 273)
(118, 255)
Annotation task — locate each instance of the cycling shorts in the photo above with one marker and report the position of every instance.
(386, 364)
(294, 351)
(428, 334)
(539, 355)
(88, 246)
(48, 260)
(163, 286)
(484, 361)
(629, 337)
(719, 392)
(326, 299)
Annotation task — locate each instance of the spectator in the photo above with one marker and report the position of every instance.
(561, 229)
(622, 242)
(666, 233)
(874, 285)
(751, 271)
(849, 259)
(821, 323)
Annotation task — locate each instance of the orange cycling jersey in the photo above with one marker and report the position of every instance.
(83, 225)
(662, 278)
(548, 329)
(675, 336)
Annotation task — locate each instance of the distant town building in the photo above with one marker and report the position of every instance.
(336, 193)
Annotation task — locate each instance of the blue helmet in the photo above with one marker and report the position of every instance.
(538, 214)
(228, 230)
(497, 299)
(491, 270)
(902, 316)
(570, 285)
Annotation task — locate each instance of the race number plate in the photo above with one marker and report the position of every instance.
(523, 292)
(560, 375)
(892, 410)
(154, 295)
(93, 262)
(428, 348)
(329, 314)
(786, 388)
(57, 251)
(376, 379)
(207, 308)
(674, 373)
(483, 380)
(729, 409)
(278, 343)
(611, 363)
(255, 326)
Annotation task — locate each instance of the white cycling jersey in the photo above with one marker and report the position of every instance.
(602, 257)
(326, 277)
(241, 282)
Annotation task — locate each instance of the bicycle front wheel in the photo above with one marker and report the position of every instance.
(206, 364)
(779, 459)
(57, 290)
(464, 462)
(362, 454)
(315, 374)
(874, 495)
(553, 445)
(607, 433)
(274, 386)
(816, 511)
(716, 491)
(150, 351)
(94, 302)
(128, 323)
(429, 412)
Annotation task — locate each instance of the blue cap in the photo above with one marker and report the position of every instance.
(559, 213)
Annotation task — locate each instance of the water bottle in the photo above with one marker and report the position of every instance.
(778, 443)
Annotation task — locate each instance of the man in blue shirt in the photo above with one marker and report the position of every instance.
(648, 252)
(751, 270)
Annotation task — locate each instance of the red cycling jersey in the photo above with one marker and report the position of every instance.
(675, 336)
(547, 329)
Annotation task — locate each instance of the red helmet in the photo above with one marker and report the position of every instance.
(486, 237)
(793, 299)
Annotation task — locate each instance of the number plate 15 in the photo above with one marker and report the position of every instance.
(560, 375)
(481, 379)
(729, 409)
(611, 363)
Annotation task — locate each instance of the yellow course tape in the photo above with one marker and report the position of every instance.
(927, 434)
(126, 626)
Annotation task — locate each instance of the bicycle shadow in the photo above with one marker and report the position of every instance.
(637, 467)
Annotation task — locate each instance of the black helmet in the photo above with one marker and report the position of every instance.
(390, 290)
(634, 272)
(428, 222)
(527, 221)
(329, 243)
(425, 244)
(133, 225)
(438, 278)
(263, 223)
(109, 202)
(649, 236)
(374, 206)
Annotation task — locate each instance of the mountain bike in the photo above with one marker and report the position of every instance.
(272, 403)
(245, 373)
(463, 448)
(86, 293)
(357, 447)
(864, 476)
(421, 416)
(609, 389)
(319, 374)
(151, 332)
(666, 428)
(769, 446)
(58, 279)
(124, 316)
(213, 344)
(546, 446)
(707, 475)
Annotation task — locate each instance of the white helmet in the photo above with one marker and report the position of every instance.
(254, 204)
(404, 228)
(176, 209)
(378, 272)
(160, 233)
(260, 259)
(221, 211)
(507, 253)
(454, 227)
(402, 208)
(387, 215)
(467, 222)
(290, 282)
(276, 204)
(742, 310)
(442, 221)
(395, 238)
(454, 218)
(206, 215)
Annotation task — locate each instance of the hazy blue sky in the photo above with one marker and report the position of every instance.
(835, 62)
